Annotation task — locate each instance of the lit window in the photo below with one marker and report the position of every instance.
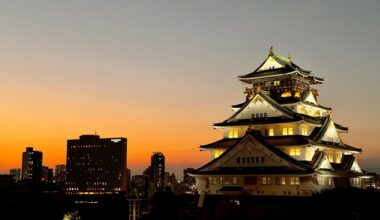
(271, 132)
(284, 131)
(304, 131)
(331, 158)
(294, 181)
(230, 134)
(317, 113)
(302, 110)
(290, 131)
(329, 181)
(266, 180)
(295, 152)
(297, 180)
(297, 94)
(276, 83)
(235, 134)
(286, 94)
(283, 181)
(220, 180)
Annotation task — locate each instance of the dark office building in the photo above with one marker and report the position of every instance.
(47, 174)
(187, 179)
(16, 173)
(60, 173)
(158, 169)
(31, 165)
(96, 166)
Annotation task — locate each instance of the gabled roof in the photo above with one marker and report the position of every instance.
(287, 112)
(320, 161)
(318, 133)
(296, 166)
(287, 67)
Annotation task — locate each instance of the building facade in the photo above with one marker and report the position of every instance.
(96, 166)
(16, 173)
(47, 174)
(280, 140)
(60, 173)
(31, 165)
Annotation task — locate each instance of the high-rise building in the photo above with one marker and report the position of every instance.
(60, 173)
(280, 140)
(47, 174)
(31, 165)
(96, 166)
(158, 169)
(16, 174)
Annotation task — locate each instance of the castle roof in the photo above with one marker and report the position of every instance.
(277, 65)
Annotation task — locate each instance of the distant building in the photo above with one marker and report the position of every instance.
(189, 180)
(31, 165)
(172, 182)
(60, 173)
(158, 169)
(137, 186)
(16, 174)
(188, 183)
(96, 166)
(47, 174)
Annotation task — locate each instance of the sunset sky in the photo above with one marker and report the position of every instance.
(160, 73)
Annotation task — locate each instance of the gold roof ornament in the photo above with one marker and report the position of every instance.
(271, 51)
(289, 57)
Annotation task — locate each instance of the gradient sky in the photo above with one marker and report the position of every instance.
(161, 72)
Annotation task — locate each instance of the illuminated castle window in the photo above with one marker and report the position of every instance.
(295, 152)
(271, 132)
(304, 131)
(286, 94)
(266, 180)
(287, 131)
(297, 94)
(276, 83)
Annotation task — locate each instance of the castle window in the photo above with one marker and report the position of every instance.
(286, 94)
(276, 83)
(304, 131)
(331, 158)
(284, 131)
(262, 159)
(235, 134)
(234, 180)
(295, 152)
(294, 181)
(287, 131)
(297, 94)
(271, 132)
(265, 114)
(238, 160)
(230, 134)
(266, 180)
(329, 181)
(283, 180)
(290, 131)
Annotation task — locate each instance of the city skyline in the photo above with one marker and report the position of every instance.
(160, 74)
